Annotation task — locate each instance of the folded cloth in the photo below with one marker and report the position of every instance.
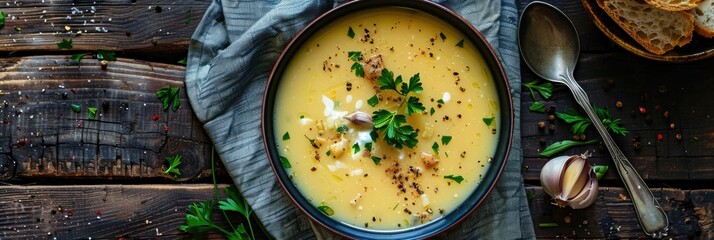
(230, 57)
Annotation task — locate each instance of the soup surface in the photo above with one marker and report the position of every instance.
(347, 103)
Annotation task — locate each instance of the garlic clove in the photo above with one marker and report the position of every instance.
(570, 180)
(360, 118)
(586, 197)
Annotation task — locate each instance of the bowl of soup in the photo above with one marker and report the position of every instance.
(387, 119)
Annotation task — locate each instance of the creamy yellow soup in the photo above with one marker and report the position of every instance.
(323, 112)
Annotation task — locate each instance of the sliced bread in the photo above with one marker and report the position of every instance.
(674, 5)
(655, 29)
(704, 18)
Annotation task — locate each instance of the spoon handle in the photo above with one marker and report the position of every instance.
(650, 214)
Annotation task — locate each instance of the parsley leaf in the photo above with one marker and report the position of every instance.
(2, 19)
(173, 165)
(537, 107)
(342, 129)
(355, 56)
(545, 89)
(235, 203)
(169, 97)
(66, 43)
(355, 147)
(435, 148)
(387, 81)
(286, 136)
(198, 218)
(460, 44)
(91, 113)
(445, 140)
(413, 86)
(327, 210)
(488, 121)
(600, 171)
(328, 153)
(106, 55)
(284, 161)
(359, 70)
(414, 106)
(182, 61)
(440, 101)
(581, 123)
(76, 107)
(373, 101)
(456, 178)
(78, 56)
(562, 146)
(376, 160)
(350, 32)
(431, 111)
(443, 37)
(368, 146)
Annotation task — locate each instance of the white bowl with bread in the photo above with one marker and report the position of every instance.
(663, 30)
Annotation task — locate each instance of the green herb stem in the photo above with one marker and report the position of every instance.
(215, 187)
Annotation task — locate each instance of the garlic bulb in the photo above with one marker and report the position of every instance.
(570, 180)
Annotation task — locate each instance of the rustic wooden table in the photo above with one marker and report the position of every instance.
(68, 176)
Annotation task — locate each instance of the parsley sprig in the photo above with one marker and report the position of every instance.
(174, 161)
(581, 123)
(169, 97)
(545, 89)
(392, 124)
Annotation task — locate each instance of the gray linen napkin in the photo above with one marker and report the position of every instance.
(230, 57)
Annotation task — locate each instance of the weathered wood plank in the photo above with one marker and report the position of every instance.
(657, 87)
(101, 211)
(160, 25)
(612, 215)
(41, 136)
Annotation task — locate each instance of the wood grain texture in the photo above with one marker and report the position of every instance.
(101, 211)
(41, 136)
(159, 25)
(612, 215)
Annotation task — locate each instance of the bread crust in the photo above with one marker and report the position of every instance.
(632, 31)
(662, 4)
(701, 15)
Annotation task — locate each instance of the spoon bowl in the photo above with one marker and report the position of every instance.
(550, 47)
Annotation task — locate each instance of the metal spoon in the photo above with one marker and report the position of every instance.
(550, 46)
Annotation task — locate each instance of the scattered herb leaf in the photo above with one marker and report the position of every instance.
(561, 146)
(456, 178)
(182, 61)
(326, 210)
(286, 136)
(328, 153)
(66, 43)
(355, 56)
(76, 107)
(445, 140)
(284, 161)
(443, 37)
(537, 107)
(581, 123)
(545, 89)
(488, 121)
(373, 101)
(440, 101)
(547, 225)
(174, 161)
(91, 113)
(435, 148)
(169, 97)
(460, 44)
(431, 111)
(187, 21)
(355, 147)
(368, 146)
(530, 194)
(600, 171)
(342, 129)
(106, 55)
(357, 67)
(78, 56)
(373, 135)
(350, 32)
(2, 19)
(312, 142)
(376, 160)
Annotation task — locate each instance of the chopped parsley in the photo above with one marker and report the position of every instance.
(537, 107)
(456, 178)
(435, 148)
(431, 111)
(66, 43)
(350, 32)
(76, 107)
(488, 121)
(106, 55)
(286, 136)
(2, 19)
(328, 153)
(169, 97)
(376, 160)
(373, 101)
(326, 210)
(312, 143)
(284, 161)
(355, 147)
(182, 61)
(460, 43)
(173, 164)
(368, 146)
(356, 56)
(440, 101)
(188, 16)
(78, 56)
(443, 37)
(445, 140)
(91, 113)
(342, 129)
(600, 171)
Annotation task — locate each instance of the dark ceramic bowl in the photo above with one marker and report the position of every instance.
(435, 226)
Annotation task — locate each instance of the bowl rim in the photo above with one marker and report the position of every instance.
(506, 120)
